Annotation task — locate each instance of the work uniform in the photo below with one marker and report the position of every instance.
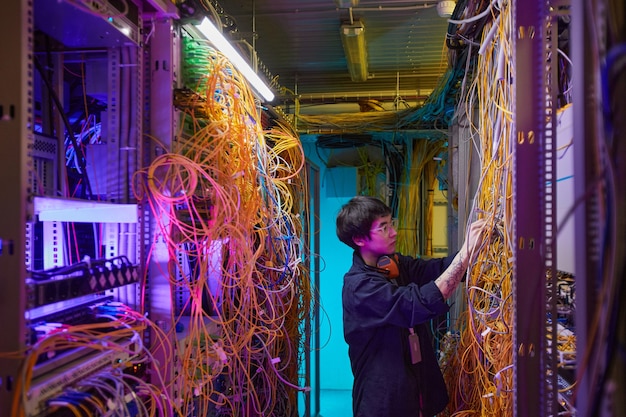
(377, 315)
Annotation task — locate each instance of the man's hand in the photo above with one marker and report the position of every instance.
(473, 241)
(449, 280)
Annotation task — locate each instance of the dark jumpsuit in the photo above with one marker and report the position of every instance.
(377, 314)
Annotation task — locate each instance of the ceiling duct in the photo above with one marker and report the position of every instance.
(353, 40)
(350, 149)
(344, 140)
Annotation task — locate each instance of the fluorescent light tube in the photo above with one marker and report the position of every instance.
(346, 4)
(208, 29)
(353, 39)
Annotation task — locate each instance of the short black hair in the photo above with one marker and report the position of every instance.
(356, 217)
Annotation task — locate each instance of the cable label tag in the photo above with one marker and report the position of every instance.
(414, 346)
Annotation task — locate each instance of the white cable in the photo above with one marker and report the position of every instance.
(489, 36)
(474, 18)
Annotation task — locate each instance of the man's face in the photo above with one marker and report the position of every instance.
(382, 239)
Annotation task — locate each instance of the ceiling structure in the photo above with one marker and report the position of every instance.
(299, 49)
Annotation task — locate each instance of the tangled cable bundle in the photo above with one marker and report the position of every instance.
(478, 361)
(435, 113)
(229, 197)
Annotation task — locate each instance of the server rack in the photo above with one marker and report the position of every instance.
(77, 242)
(70, 246)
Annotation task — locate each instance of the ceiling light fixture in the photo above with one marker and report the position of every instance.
(445, 8)
(346, 4)
(353, 39)
(208, 29)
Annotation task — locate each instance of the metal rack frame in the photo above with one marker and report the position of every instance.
(16, 119)
(22, 205)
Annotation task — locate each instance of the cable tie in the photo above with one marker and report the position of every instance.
(222, 355)
(498, 379)
(136, 338)
(111, 405)
(486, 332)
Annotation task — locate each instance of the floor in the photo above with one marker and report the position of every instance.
(335, 403)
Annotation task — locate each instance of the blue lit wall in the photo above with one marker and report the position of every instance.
(337, 186)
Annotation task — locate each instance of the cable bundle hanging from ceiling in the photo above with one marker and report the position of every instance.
(418, 163)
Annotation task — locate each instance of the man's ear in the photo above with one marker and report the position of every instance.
(359, 241)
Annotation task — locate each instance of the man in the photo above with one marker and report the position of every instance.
(388, 300)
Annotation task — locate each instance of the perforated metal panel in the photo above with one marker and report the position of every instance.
(45, 165)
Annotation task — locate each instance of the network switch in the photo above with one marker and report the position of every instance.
(50, 385)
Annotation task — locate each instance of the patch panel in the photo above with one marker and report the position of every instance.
(54, 383)
(80, 312)
(81, 281)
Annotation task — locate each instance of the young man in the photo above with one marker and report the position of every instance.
(388, 300)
